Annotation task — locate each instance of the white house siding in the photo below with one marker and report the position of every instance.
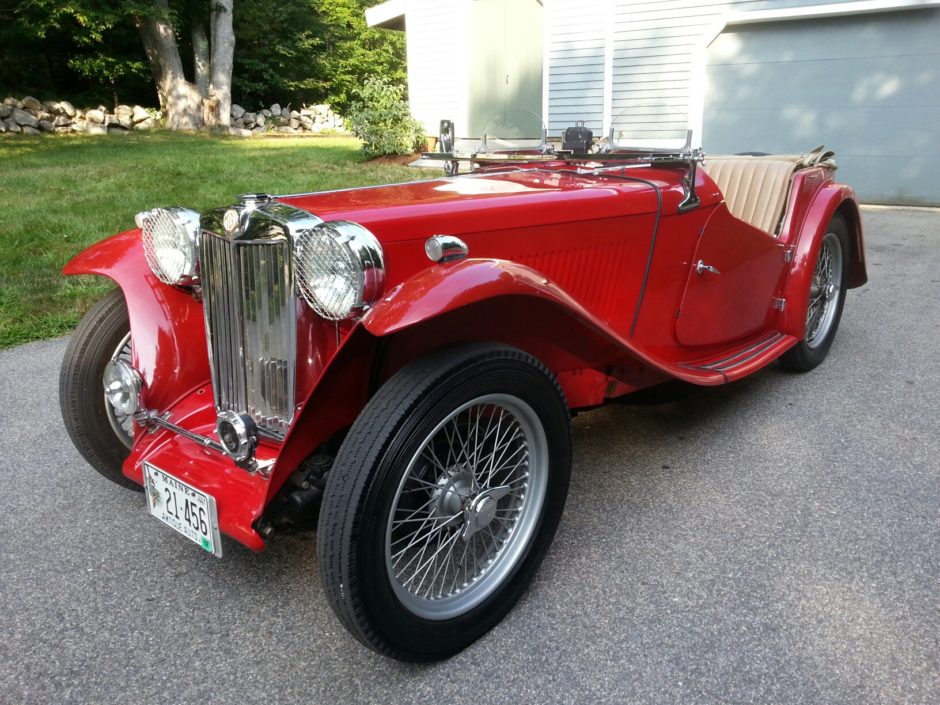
(437, 50)
(642, 67)
(576, 39)
(655, 44)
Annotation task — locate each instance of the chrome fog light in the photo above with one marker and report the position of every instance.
(122, 387)
(238, 434)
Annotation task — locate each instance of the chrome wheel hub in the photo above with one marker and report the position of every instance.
(481, 510)
(454, 489)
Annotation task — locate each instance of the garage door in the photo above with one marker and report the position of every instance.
(867, 86)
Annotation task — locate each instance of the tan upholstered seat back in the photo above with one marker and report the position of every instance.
(755, 188)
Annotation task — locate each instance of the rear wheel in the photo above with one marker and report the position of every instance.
(103, 437)
(443, 500)
(826, 299)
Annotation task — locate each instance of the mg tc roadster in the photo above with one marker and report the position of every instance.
(397, 366)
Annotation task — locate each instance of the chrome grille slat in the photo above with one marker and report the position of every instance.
(250, 323)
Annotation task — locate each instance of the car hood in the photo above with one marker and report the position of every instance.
(482, 202)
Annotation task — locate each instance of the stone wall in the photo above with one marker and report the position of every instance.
(31, 116)
(314, 119)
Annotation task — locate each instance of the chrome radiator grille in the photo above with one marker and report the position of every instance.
(250, 321)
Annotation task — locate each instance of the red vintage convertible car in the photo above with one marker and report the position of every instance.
(398, 365)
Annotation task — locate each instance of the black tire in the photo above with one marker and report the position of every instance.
(809, 353)
(371, 470)
(81, 395)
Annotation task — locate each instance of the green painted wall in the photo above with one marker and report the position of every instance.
(505, 98)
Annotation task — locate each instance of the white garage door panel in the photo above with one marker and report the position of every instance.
(868, 87)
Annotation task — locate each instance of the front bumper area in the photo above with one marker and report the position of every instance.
(240, 495)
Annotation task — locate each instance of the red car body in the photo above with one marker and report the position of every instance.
(591, 272)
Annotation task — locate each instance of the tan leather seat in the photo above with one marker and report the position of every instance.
(755, 188)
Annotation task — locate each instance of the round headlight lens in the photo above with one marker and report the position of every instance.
(169, 238)
(122, 387)
(339, 268)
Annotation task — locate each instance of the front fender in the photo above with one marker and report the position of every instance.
(828, 201)
(446, 288)
(165, 321)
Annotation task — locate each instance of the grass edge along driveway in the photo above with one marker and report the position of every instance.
(61, 193)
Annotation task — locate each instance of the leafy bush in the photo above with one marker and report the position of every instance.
(381, 119)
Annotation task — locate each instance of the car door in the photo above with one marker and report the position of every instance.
(734, 274)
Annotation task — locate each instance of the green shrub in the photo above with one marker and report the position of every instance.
(381, 119)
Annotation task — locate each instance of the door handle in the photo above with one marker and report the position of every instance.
(700, 267)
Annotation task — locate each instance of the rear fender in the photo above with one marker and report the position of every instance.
(164, 320)
(828, 201)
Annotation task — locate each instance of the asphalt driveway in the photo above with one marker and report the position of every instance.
(774, 541)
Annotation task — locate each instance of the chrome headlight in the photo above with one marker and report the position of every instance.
(170, 236)
(339, 268)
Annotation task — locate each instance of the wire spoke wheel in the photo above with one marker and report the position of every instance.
(824, 291)
(444, 498)
(466, 506)
(122, 424)
(102, 438)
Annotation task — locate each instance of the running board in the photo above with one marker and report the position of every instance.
(750, 357)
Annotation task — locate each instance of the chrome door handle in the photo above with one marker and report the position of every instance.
(700, 267)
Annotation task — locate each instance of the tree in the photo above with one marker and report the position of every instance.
(279, 53)
(290, 51)
(206, 101)
(54, 50)
(353, 52)
(203, 102)
(311, 51)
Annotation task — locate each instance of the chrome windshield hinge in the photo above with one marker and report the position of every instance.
(778, 304)
(787, 254)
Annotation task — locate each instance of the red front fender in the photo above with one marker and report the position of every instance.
(170, 353)
(166, 323)
(447, 288)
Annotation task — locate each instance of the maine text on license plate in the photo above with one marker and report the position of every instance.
(183, 508)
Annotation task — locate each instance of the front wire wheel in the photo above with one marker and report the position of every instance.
(121, 424)
(443, 499)
(467, 506)
(103, 437)
(826, 300)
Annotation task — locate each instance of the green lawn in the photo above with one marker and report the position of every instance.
(61, 193)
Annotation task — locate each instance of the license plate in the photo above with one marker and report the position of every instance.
(184, 508)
